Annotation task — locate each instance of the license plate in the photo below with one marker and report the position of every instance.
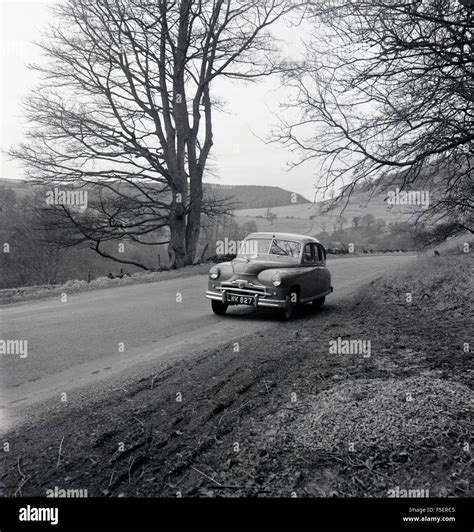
(241, 300)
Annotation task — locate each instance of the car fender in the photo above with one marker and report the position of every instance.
(225, 271)
(289, 276)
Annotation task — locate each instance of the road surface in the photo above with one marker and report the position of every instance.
(99, 334)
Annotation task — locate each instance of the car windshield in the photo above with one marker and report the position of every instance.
(253, 247)
(270, 248)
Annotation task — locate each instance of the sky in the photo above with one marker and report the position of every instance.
(239, 156)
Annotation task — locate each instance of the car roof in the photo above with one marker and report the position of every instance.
(284, 236)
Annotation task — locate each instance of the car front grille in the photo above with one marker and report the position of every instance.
(247, 289)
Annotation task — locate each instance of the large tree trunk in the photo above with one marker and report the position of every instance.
(177, 225)
(192, 234)
(193, 226)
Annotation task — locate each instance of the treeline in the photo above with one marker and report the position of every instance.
(370, 233)
(33, 252)
(36, 250)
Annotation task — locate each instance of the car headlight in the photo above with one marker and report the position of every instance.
(214, 272)
(276, 280)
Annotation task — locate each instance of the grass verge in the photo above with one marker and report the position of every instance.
(31, 293)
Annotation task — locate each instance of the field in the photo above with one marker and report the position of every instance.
(308, 218)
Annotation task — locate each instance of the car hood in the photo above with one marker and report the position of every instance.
(254, 267)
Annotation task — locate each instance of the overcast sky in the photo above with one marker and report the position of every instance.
(239, 157)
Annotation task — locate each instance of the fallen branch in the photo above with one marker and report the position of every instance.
(207, 476)
(59, 453)
(23, 481)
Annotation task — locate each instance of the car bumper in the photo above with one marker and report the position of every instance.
(260, 301)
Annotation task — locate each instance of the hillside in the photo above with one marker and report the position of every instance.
(18, 186)
(256, 197)
(311, 218)
(242, 196)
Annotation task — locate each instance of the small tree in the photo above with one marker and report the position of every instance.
(367, 220)
(270, 216)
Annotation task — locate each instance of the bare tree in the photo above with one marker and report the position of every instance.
(32, 257)
(125, 109)
(386, 94)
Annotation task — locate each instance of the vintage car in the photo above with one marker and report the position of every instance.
(275, 270)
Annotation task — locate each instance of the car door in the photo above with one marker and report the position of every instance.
(309, 284)
(322, 275)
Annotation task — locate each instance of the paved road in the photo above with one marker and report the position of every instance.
(76, 343)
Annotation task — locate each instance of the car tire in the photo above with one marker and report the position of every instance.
(291, 309)
(218, 307)
(318, 303)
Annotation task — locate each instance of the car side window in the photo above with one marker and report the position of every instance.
(308, 254)
(320, 257)
(285, 248)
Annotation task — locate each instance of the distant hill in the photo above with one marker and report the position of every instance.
(254, 196)
(20, 187)
(294, 212)
(242, 196)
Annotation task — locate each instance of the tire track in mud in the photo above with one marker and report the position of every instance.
(163, 431)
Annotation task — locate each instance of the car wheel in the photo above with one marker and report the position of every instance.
(218, 307)
(292, 304)
(318, 303)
